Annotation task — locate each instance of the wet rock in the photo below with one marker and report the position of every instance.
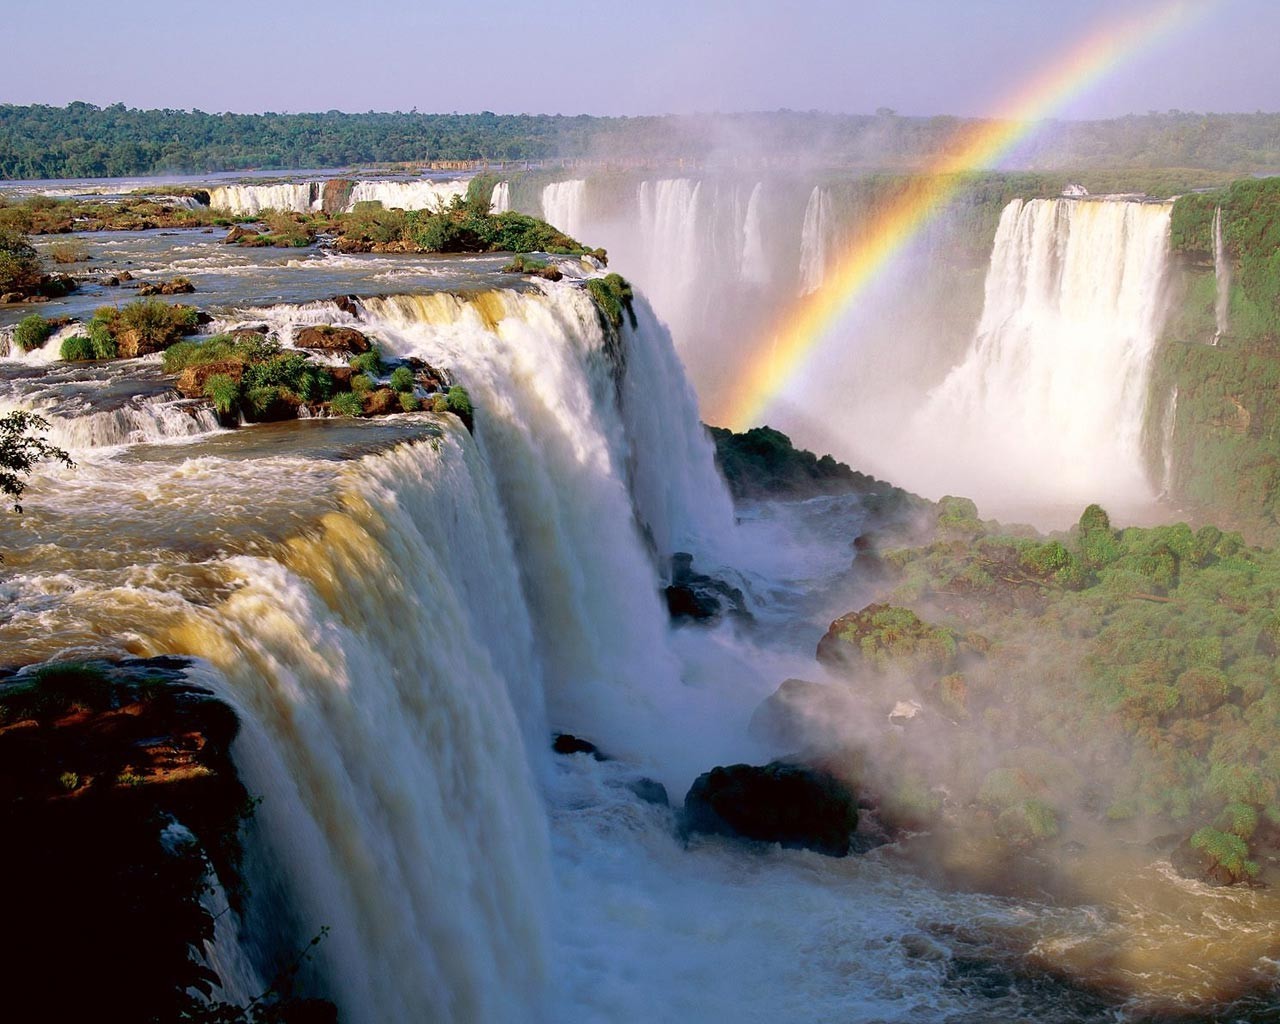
(797, 806)
(382, 402)
(110, 281)
(567, 743)
(8, 298)
(125, 276)
(651, 792)
(347, 303)
(324, 338)
(1200, 865)
(178, 286)
(697, 597)
(240, 233)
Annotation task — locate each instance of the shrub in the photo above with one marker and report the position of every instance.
(19, 265)
(613, 297)
(361, 384)
(402, 378)
(459, 402)
(68, 252)
(32, 332)
(409, 402)
(369, 362)
(1225, 849)
(76, 349)
(223, 391)
(346, 404)
(104, 345)
(439, 404)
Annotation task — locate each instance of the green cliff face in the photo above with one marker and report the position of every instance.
(1226, 422)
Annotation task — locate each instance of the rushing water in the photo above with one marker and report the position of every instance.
(562, 206)
(1222, 278)
(815, 241)
(402, 612)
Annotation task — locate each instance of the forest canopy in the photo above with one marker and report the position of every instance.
(83, 140)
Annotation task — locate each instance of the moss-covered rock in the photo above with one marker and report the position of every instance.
(882, 637)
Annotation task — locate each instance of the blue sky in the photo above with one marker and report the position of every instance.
(646, 56)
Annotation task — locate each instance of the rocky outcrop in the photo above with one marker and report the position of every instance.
(178, 286)
(882, 637)
(191, 381)
(324, 338)
(693, 596)
(118, 802)
(793, 805)
(239, 233)
(567, 743)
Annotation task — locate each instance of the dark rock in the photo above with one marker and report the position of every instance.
(325, 338)
(693, 596)
(347, 303)
(796, 806)
(651, 792)
(110, 281)
(238, 234)
(125, 276)
(567, 743)
(178, 286)
(10, 297)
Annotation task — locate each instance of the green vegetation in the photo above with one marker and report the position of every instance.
(43, 215)
(402, 379)
(1130, 675)
(613, 297)
(409, 402)
(223, 391)
(763, 463)
(140, 328)
(458, 402)
(1227, 425)
(465, 225)
(22, 449)
(19, 266)
(82, 140)
(76, 349)
(347, 404)
(32, 331)
(369, 363)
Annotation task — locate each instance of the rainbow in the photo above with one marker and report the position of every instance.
(800, 333)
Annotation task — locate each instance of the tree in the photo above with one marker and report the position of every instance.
(19, 265)
(22, 449)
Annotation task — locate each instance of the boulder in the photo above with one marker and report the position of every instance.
(796, 806)
(694, 596)
(347, 303)
(7, 298)
(382, 402)
(192, 379)
(239, 233)
(1198, 864)
(324, 338)
(567, 743)
(651, 792)
(178, 286)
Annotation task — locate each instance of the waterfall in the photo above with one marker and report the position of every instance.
(308, 196)
(560, 449)
(248, 200)
(677, 243)
(815, 240)
(500, 200)
(755, 260)
(562, 205)
(1222, 276)
(1168, 424)
(1050, 398)
(407, 195)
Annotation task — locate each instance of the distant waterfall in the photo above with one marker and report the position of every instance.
(1222, 276)
(308, 196)
(1168, 427)
(562, 205)
(407, 195)
(755, 260)
(815, 241)
(1050, 399)
(500, 200)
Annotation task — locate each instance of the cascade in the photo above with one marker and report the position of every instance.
(562, 205)
(500, 200)
(565, 463)
(755, 261)
(1222, 277)
(815, 240)
(247, 200)
(1051, 396)
(1168, 425)
(407, 195)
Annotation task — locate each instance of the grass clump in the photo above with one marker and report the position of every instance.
(76, 349)
(613, 297)
(347, 404)
(402, 379)
(32, 332)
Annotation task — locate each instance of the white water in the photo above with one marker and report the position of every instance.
(308, 196)
(563, 206)
(1168, 427)
(755, 259)
(815, 241)
(1050, 400)
(500, 200)
(407, 195)
(1222, 277)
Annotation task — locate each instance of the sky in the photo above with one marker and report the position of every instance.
(917, 57)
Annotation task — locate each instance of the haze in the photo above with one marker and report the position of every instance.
(664, 56)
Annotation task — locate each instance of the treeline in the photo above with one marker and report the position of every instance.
(82, 140)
